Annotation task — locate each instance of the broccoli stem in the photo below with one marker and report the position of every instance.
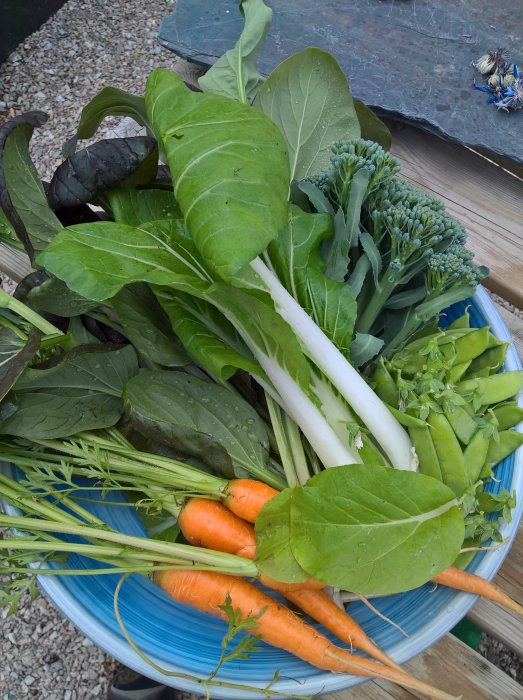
(388, 282)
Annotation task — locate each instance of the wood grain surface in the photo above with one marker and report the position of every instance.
(482, 195)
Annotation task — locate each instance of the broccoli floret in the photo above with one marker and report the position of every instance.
(401, 253)
(348, 157)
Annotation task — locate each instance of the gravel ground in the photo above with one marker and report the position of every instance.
(82, 48)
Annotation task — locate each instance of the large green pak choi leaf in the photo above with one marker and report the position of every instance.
(229, 167)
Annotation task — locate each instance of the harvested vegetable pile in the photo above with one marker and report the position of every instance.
(234, 320)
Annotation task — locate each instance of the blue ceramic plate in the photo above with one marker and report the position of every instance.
(182, 640)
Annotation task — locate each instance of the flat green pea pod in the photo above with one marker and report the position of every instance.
(508, 415)
(384, 385)
(406, 419)
(493, 389)
(461, 322)
(467, 346)
(456, 372)
(475, 455)
(463, 424)
(369, 453)
(449, 452)
(421, 439)
(491, 360)
(509, 440)
(493, 341)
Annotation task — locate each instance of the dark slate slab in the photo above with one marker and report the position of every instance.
(405, 58)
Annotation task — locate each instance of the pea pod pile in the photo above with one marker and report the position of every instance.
(446, 389)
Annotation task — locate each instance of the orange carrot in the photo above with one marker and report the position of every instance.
(471, 583)
(277, 625)
(246, 497)
(210, 524)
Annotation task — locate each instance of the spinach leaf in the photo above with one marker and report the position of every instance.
(207, 336)
(141, 319)
(372, 128)
(8, 234)
(362, 527)
(98, 368)
(49, 414)
(49, 294)
(229, 168)
(22, 195)
(307, 96)
(235, 74)
(81, 392)
(100, 167)
(108, 102)
(200, 419)
(97, 260)
(136, 207)
(15, 355)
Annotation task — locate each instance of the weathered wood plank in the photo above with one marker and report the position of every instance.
(13, 263)
(497, 621)
(486, 198)
(449, 665)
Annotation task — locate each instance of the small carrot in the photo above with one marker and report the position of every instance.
(207, 523)
(471, 583)
(246, 497)
(210, 524)
(238, 498)
(277, 625)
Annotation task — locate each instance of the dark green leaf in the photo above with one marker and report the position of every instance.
(99, 368)
(56, 413)
(22, 196)
(229, 167)
(15, 355)
(51, 295)
(200, 419)
(100, 167)
(372, 128)
(235, 74)
(8, 234)
(82, 391)
(307, 96)
(108, 102)
(141, 319)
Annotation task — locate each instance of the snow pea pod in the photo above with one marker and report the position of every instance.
(463, 424)
(421, 439)
(449, 452)
(493, 389)
(509, 440)
(385, 386)
(462, 322)
(456, 372)
(467, 346)
(492, 359)
(508, 415)
(406, 419)
(475, 455)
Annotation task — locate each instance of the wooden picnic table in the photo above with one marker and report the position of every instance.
(486, 198)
